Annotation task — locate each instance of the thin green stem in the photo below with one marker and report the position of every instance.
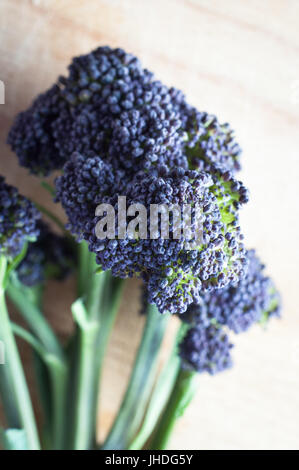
(133, 406)
(182, 393)
(35, 319)
(13, 439)
(87, 396)
(85, 379)
(29, 338)
(58, 380)
(161, 393)
(95, 295)
(48, 187)
(14, 371)
(94, 313)
(91, 281)
(52, 217)
(110, 305)
(53, 357)
(83, 268)
(113, 290)
(13, 265)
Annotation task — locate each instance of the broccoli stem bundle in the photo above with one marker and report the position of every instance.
(94, 315)
(160, 395)
(140, 385)
(53, 358)
(114, 131)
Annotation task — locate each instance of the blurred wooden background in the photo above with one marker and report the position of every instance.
(238, 59)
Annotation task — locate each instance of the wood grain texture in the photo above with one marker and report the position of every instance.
(240, 60)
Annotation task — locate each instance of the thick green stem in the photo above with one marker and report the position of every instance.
(113, 290)
(161, 393)
(58, 380)
(14, 373)
(55, 360)
(83, 268)
(91, 282)
(182, 393)
(111, 301)
(94, 315)
(85, 363)
(94, 295)
(133, 406)
(86, 390)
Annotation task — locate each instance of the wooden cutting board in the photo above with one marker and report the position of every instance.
(239, 60)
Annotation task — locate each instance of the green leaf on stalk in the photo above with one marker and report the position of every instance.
(79, 312)
(80, 316)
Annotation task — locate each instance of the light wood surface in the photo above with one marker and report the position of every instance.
(238, 59)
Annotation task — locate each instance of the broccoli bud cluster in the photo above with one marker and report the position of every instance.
(238, 306)
(117, 131)
(173, 271)
(111, 105)
(50, 257)
(18, 220)
(206, 350)
(207, 142)
(85, 181)
(32, 134)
